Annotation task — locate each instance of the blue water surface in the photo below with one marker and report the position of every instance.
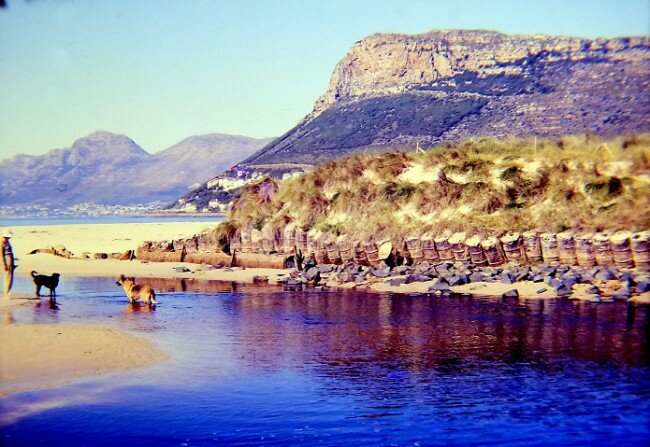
(145, 218)
(254, 365)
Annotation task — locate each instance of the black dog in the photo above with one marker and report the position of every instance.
(48, 281)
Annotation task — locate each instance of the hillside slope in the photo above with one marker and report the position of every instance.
(402, 90)
(485, 186)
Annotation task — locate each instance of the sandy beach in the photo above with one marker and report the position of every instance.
(93, 238)
(110, 238)
(121, 237)
(35, 356)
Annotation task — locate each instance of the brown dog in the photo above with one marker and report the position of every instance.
(137, 292)
(49, 281)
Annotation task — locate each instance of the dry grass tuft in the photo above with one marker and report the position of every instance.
(482, 185)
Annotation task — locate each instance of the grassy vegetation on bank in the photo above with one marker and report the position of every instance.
(485, 186)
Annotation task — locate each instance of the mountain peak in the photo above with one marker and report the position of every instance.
(103, 140)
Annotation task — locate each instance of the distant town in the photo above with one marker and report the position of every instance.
(212, 197)
(86, 210)
(217, 194)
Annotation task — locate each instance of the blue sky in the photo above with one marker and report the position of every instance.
(159, 71)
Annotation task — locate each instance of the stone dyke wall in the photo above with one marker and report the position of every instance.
(205, 249)
(268, 248)
(620, 249)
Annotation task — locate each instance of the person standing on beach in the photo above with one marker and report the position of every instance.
(7, 262)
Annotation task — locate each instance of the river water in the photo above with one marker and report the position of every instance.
(254, 365)
(6, 222)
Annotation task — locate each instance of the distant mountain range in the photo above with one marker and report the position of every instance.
(389, 91)
(394, 90)
(110, 169)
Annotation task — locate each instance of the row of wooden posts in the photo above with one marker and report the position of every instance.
(621, 249)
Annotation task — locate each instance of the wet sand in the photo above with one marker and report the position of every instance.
(110, 238)
(37, 356)
(34, 356)
(526, 289)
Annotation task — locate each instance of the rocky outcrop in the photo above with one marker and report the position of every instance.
(401, 90)
(392, 64)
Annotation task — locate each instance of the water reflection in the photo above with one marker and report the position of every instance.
(355, 328)
(169, 285)
(251, 363)
(417, 333)
(50, 304)
(138, 307)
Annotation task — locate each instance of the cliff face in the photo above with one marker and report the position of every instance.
(393, 64)
(449, 85)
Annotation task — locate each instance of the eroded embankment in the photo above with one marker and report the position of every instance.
(474, 197)
(579, 202)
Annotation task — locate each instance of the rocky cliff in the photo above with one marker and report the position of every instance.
(110, 169)
(401, 90)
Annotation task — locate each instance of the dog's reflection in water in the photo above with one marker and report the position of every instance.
(8, 318)
(133, 308)
(51, 304)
